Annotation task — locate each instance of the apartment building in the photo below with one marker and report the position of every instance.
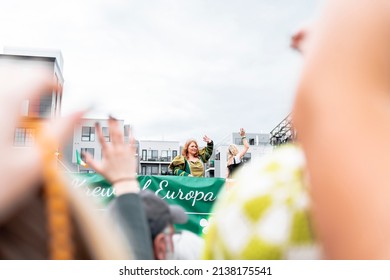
(40, 109)
(155, 156)
(85, 140)
(259, 145)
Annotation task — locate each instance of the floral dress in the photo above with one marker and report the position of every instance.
(265, 212)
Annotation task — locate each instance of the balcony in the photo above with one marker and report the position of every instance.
(283, 133)
(158, 159)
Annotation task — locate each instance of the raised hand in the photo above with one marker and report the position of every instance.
(206, 139)
(118, 165)
(300, 38)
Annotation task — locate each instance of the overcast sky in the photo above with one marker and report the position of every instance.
(173, 69)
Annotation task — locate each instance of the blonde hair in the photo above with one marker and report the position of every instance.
(232, 151)
(186, 145)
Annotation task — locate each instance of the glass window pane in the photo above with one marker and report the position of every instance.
(144, 153)
(164, 155)
(164, 169)
(88, 133)
(154, 170)
(20, 135)
(92, 135)
(45, 105)
(106, 133)
(91, 151)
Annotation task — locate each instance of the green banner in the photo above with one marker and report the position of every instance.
(195, 195)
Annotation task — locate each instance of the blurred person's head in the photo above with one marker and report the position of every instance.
(190, 148)
(60, 225)
(161, 219)
(232, 150)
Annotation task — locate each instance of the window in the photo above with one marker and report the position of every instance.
(238, 141)
(90, 151)
(174, 153)
(126, 130)
(45, 105)
(24, 137)
(86, 171)
(154, 154)
(106, 134)
(154, 169)
(150, 170)
(218, 156)
(40, 107)
(164, 170)
(55, 97)
(144, 154)
(88, 133)
(164, 155)
(247, 157)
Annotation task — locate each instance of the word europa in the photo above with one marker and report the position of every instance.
(179, 194)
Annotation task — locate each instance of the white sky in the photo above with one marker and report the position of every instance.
(173, 69)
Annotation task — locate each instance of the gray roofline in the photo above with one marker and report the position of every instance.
(36, 52)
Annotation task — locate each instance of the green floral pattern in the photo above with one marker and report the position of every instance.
(265, 214)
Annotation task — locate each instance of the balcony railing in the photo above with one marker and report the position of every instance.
(283, 133)
(158, 159)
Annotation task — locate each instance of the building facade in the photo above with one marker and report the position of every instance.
(155, 156)
(44, 107)
(259, 145)
(152, 157)
(85, 140)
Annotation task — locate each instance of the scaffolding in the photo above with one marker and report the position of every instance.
(283, 133)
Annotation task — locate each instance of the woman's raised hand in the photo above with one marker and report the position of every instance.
(206, 139)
